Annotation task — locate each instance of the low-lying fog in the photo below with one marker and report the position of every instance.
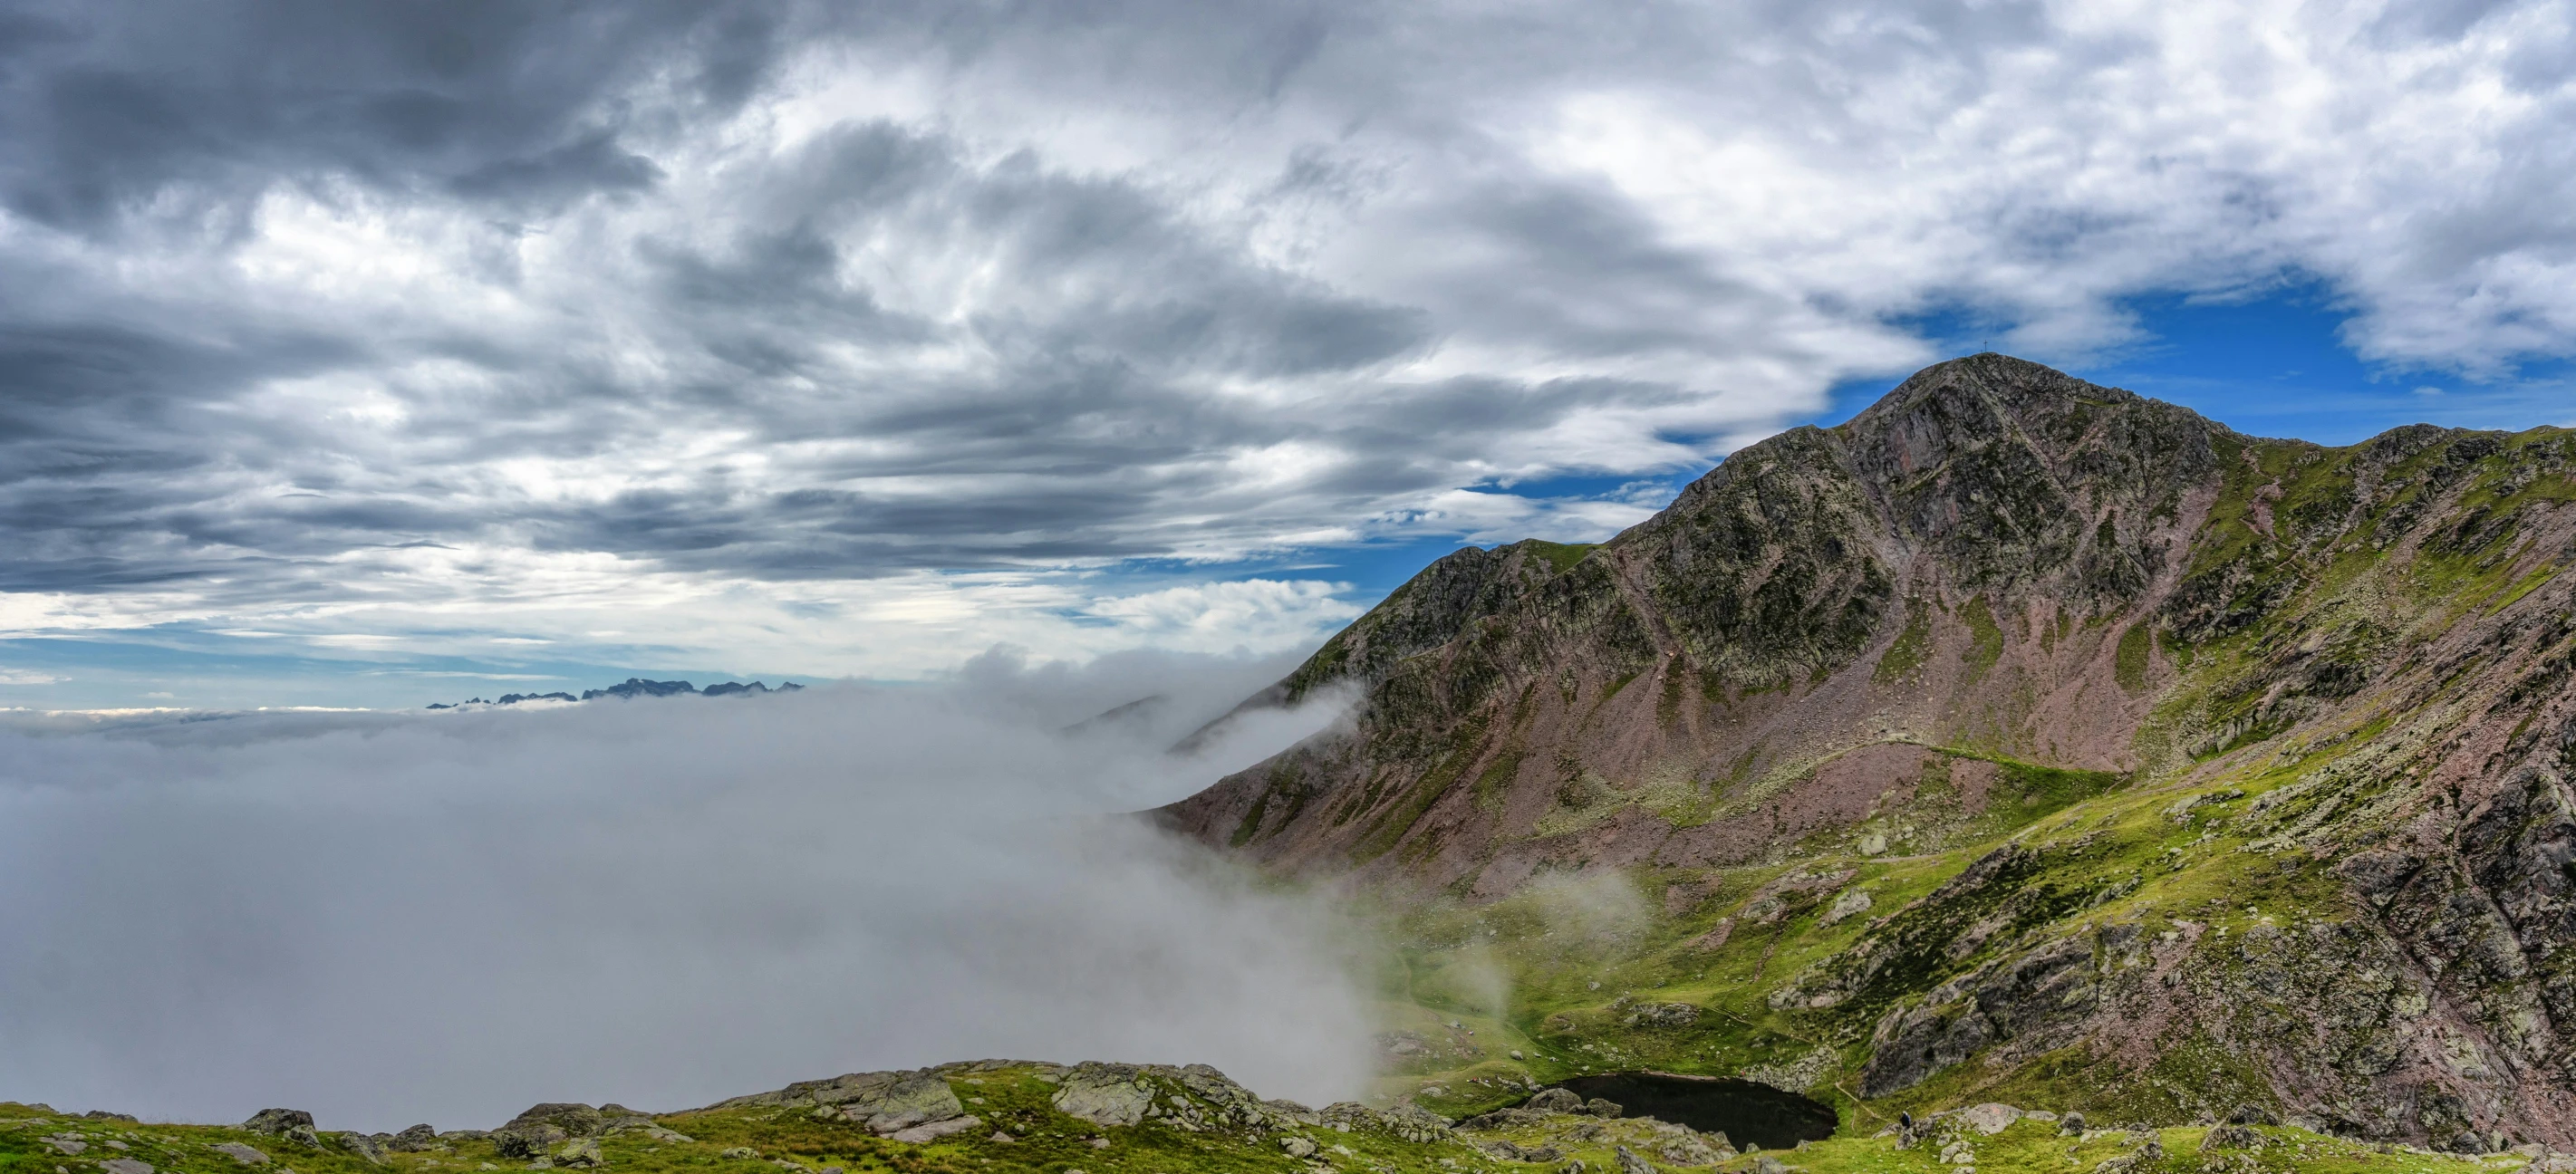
(447, 917)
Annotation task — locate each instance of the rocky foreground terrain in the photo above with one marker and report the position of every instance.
(999, 1115)
(2018, 740)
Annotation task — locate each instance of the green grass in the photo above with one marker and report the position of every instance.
(1016, 1100)
(1913, 646)
(2129, 666)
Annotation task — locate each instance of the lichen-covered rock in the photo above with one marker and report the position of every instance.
(370, 1149)
(1663, 1015)
(278, 1121)
(1105, 1094)
(931, 1131)
(414, 1139)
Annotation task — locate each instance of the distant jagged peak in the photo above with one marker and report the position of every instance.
(634, 687)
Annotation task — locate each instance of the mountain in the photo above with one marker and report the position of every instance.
(637, 687)
(2017, 733)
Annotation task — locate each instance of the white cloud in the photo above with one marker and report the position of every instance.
(946, 321)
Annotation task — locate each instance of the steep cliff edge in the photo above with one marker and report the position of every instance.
(2178, 743)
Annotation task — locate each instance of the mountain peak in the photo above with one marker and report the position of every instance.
(2014, 645)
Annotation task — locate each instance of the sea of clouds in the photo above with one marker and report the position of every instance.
(385, 918)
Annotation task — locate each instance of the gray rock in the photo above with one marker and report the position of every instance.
(1990, 1118)
(1297, 1147)
(67, 1146)
(889, 1102)
(1602, 1107)
(416, 1139)
(2231, 1137)
(125, 1166)
(278, 1121)
(928, 1132)
(2071, 1125)
(241, 1153)
(1630, 1163)
(579, 1153)
(574, 1120)
(1663, 1015)
(365, 1147)
(1104, 1094)
(520, 1145)
(740, 1151)
(1766, 1164)
(1555, 1100)
(2250, 1113)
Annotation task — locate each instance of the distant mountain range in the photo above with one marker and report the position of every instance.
(636, 687)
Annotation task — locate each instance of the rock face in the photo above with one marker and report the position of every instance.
(2000, 581)
(1673, 696)
(1105, 1094)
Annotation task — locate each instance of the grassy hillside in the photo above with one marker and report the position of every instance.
(1019, 1100)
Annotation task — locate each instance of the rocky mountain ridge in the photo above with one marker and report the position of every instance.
(2018, 731)
(634, 687)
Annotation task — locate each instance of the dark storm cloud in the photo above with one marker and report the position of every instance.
(112, 105)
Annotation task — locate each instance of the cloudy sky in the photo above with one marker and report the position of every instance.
(382, 354)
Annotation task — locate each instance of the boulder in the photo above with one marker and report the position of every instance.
(1990, 1118)
(241, 1153)
(1630, 1163)
(579, 1153)
(1297, 1147)
(1603, 1107)
(522, 1145)
(278, 1121)
(125, 1166)
(1104, 1094)
(366, 1147)
(1663, 1015)
(2231, 1137)
(888, 1102)
(574, 1120)
(740, 1151)
(413, 1140)
(1555, 1100)
(2072, 1125)
(2250, 1113)
(928, 1132)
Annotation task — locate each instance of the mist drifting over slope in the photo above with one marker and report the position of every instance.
(449, 917)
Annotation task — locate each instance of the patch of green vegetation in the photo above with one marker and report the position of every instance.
(1496, 780)
(1668, 704)
(2130, 661)
(1913, 646)
(1985, 637)
(1464, 744)
(2528, 583)
(1561, 556)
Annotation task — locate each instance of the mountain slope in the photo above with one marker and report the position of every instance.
(2077, 673)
